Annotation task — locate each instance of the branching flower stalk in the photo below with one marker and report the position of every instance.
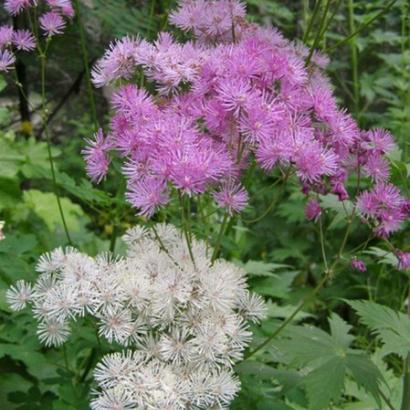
(42, 55)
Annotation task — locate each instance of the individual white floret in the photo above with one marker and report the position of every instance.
(209, 344)
(78, 268)
(61, 302)
(252, 307)
(54, 261)
(18, 295)
(115, 324)
(114, 399)
(52, 332)
(177, 347)
(221, 285)
(116, 367)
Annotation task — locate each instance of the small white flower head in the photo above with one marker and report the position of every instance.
(113, 399)
(252, 307)
(176, 347)
(52, 262)
(185, 324)
(18, 295)
(53, 332)
(116, 324)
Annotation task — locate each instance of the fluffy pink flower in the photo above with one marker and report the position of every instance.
(208, 20)
(17, 6)
(52, 23)
(312, 162)
(358, 265)
(147, 195)
(63, 6)
(7, 60)
(119, 61)
(232, 196)
(6, 36)
(236, 96)
(96, 156)
(377, 168)
(403, 260)
(235, 93)
(378, 140)
(313, 210)
(24, 40)
(383, 206)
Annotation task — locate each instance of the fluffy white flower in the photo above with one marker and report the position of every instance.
(18, 295)
(184, 323)
(52, 332)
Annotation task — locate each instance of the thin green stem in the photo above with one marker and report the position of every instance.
(84, 53)
(89, 364)
(386, 400)
(319, 33)
(362, 27)
(50, 156)
(322, 244)
(354, 59)
(312, 20)
(186, 225)
(332, 16)
(327, 275)
(219, 238)
(284, 324)
(275, 200)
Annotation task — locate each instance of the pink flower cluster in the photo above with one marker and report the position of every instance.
(384, 208)
(11, 40)
(51, 23)
(235, 94)
(62, 7)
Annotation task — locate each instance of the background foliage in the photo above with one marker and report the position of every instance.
(345, 349)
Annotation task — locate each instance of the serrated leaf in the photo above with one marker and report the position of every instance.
(392, 327)
(306, 345)
(325, 383)
(365, 373)
(339, 330)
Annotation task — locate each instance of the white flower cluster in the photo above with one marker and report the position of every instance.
(184, 321)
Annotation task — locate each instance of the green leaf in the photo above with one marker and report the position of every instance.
(260, 268)
(392, 327)
(278, 286)
(10, 159)
(339, 330)
(365, 373)
(325, 383)
(284, 311)
(10, 193)
(342, 209)
(45, 205)
(385, 257)
(36, 362)
(3, 83)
